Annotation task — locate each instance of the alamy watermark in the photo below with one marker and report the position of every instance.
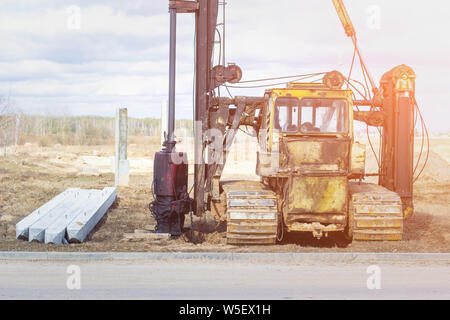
(74, 279)
(373, 17)
(374, 280)
(73, 17)
(218, 145)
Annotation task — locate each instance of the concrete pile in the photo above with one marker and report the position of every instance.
(68, 217)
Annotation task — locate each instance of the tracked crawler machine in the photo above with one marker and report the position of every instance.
(310, 165)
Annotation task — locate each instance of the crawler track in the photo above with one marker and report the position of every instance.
(251, 214)
(375, 213)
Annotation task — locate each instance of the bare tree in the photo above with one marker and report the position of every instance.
(9, 123)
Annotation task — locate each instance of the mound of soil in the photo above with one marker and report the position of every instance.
(437, 169)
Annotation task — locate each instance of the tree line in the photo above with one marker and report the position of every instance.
(19, 129)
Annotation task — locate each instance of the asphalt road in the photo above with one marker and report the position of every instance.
(218, 279)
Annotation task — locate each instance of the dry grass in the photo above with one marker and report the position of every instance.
(30, 176)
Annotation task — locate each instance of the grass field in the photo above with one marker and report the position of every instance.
(30, 175)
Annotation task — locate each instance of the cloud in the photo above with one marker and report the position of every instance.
(119, 56)
(93, 20)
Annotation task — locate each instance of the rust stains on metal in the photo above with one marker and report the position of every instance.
(307, 151)
(376, 212)
(317, 194)
(252, 216)
(182, 6)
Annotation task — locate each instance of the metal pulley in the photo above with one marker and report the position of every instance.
(333, 80)
(403, 78)
(221, 74)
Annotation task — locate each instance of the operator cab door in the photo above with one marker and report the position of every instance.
(268, 143)
(315, 161)
(321, 142)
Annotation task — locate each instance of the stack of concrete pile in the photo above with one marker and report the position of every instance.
(68, 217)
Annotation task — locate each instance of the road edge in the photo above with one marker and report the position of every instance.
(332, 257)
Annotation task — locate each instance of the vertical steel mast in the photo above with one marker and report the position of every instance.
(206, 12)
(170, 143)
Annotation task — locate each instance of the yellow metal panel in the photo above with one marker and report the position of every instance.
(305, 151)
(271, 106)
(313, 93)
(318, 194)
(358, 161)
(311, 152)
(310, 93)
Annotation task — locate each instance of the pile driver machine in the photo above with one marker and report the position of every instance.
(310, 165)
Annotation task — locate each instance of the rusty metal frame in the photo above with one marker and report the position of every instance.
(205, 26)
(184, 6)
(397, 154)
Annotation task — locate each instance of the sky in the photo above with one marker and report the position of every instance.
(89, 57)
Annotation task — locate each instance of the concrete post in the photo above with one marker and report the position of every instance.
(164, 121)
(122, 169)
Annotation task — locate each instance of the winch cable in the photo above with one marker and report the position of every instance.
(220, 53)
(367, 96)
(302, 77)
(356, 89)
(422, 138)
(283, 77)
(222, 60)
(373, 149)
(351, 68)
(428, 141)
(362, 86)
(193, 127)
(364, 69)
(365, 79)
(367, 126)
(229, 93)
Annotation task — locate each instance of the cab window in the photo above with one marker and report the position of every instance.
(323, 115)
(286, 114)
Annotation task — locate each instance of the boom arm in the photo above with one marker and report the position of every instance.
(345, 18)
(350, 32)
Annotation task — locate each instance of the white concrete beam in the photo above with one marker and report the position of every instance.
(56, 230)
(84, 223)
(37, 230)
(22, 227)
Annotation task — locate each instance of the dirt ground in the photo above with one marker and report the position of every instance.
(30, 176)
